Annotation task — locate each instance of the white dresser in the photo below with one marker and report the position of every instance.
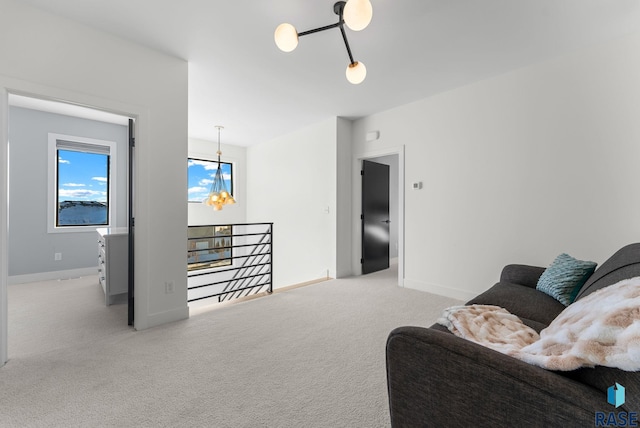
(113, 263)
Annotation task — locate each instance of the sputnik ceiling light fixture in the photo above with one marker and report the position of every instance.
(218, 194)
(355, 13)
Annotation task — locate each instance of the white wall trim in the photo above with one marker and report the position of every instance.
(51, 276)
(440, 290)
(357, 196)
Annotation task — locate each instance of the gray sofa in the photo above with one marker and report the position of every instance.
(436, 379)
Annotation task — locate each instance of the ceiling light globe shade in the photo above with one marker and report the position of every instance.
(286, 37)
(356, 72)
(357, 14)
(230, 200)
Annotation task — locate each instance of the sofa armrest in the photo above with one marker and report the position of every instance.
(522, 274)
(437, 379)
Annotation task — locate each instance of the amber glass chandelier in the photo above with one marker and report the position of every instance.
(219, 194)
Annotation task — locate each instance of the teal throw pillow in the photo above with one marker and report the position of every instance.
(564, 278)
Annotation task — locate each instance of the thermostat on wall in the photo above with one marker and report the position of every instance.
(418, 185)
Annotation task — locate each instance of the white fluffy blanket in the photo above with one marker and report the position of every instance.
(601, 329)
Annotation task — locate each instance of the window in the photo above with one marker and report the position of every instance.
(208, 247)
(82, 189)
(200, 176)
(80, 183)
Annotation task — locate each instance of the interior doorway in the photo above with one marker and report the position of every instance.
(394, 158)
(67, 248)
(375, 220)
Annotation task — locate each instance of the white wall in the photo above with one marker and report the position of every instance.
(518, 168)
(57, 58)
(291, 182)
(200, 214)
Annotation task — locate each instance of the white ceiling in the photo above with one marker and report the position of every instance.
(412, 49)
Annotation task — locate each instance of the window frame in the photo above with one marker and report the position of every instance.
(84, 143)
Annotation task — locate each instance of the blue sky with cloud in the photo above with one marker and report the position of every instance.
(82, 176)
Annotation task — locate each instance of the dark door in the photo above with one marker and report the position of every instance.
(132, 143)
(375, 216)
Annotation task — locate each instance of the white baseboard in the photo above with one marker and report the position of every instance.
(301, 284)
(50, 276)
(441, 290)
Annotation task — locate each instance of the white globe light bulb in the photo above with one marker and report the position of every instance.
(356, 72)
(357, 14)
(286, 37)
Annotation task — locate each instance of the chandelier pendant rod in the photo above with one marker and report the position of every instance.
(328, 27)
(338, 8)
(346, 43)
(219, 152)
(317, 30)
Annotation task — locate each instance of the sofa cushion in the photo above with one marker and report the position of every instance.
(522, 274)
(564, 278)
(522, 301)
(624, 264)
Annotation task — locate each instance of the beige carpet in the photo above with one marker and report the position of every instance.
(308, 357)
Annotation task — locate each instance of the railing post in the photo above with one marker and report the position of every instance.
(271, 259)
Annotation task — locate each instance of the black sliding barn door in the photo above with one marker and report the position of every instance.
(375, 216)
